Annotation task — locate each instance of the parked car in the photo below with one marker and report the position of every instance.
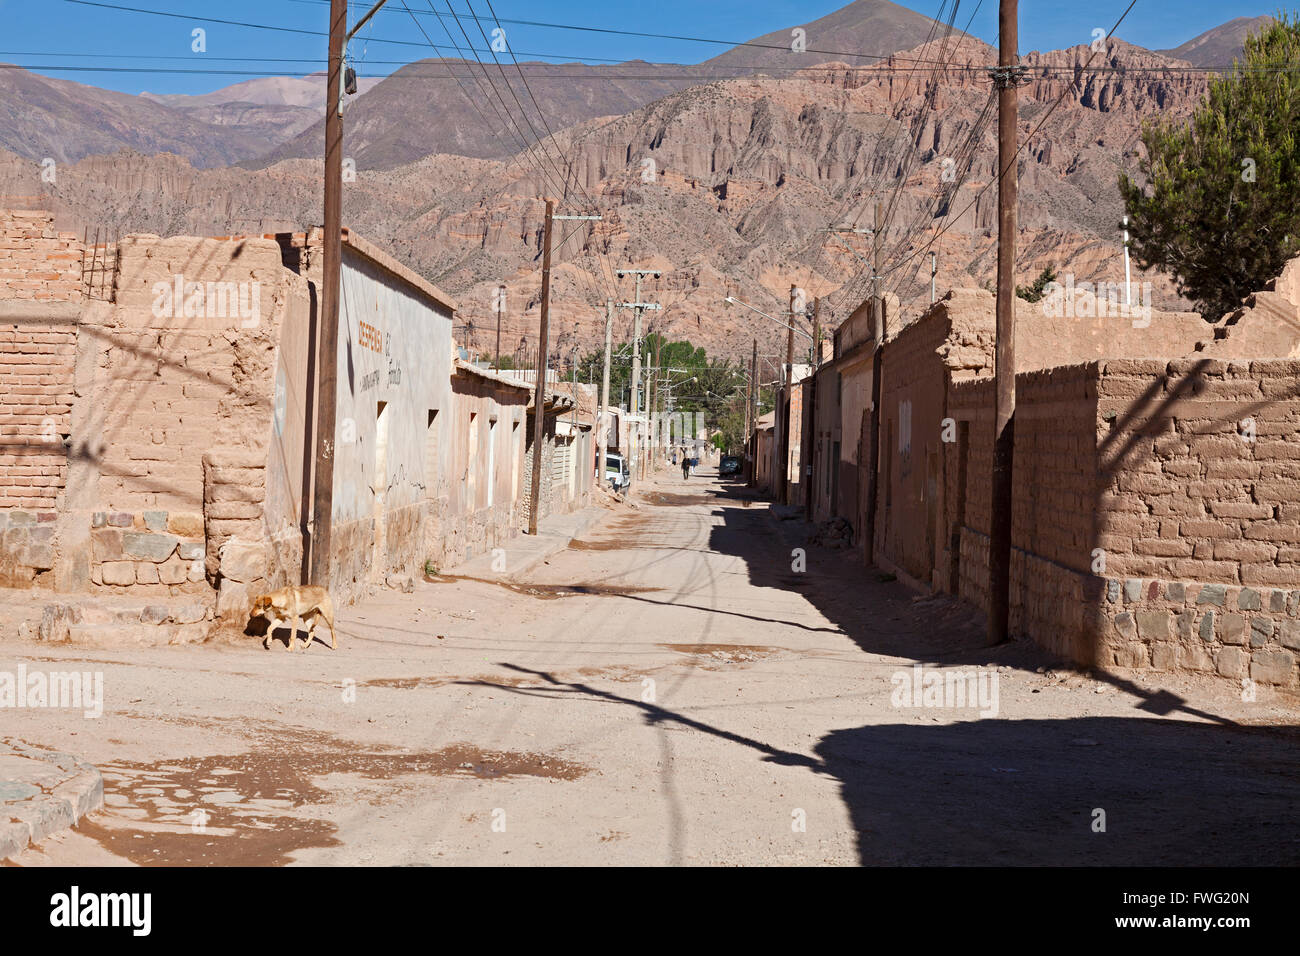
(730, 465)
(616, 471)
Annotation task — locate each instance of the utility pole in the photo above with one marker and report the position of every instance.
(539, 421)
(539, 401)
(637, 307)
(875, 277)
(817, 333)
(602, 438)
(1005, 77)
(787, 415)
(501, 304)
(332, 242)
(753, 416)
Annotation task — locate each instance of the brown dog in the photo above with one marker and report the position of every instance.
(295, 607)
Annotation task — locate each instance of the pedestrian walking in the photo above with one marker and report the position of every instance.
(686, 468)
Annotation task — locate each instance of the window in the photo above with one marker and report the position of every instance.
(432, 467)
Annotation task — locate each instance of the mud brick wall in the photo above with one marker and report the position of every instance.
(39, 267)
(1199, 515)
(37, 262)
(37, 364)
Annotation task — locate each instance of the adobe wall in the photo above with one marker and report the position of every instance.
(40, 296)
(1154, 521)
(185, 397)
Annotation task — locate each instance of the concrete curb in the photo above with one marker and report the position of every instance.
(62, 788)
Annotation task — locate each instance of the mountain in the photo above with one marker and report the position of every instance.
(1217, 48)
(867, 29)
(747, 174)
(297, 91)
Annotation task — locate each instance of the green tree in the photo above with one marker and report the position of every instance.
(1219, 208)
(1034, 291)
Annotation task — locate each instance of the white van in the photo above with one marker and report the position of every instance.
(616, 471)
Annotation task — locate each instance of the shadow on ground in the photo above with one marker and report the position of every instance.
(1168, 791)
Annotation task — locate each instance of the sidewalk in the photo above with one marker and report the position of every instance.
(42, 792)
(525, 551)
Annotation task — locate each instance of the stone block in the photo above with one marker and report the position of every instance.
(185, 525)
(1125, 625)
(1184, 621)
(99, 519)
(1249, 600)
(173, 570)
(1277, 601)
(1112, 590)
(1176, 591)
(1261, 629)
(1133, 590)
(234, 602)
(150, 547)
(146, 572)
(1273, 666)
(1214, 594)
(154, 614)
(1153, 625)
(1290, 635)
(1232, 628)
(1163, 657)
(190, 550)
(121, 519)
(188, 613)
(243, 561)
(1232, 662)
(107, 544)
(118, 572)
(1207, 627)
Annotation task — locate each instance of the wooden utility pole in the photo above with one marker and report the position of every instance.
(602, 438)
(817, 333)
(1005, 78)
(539, 400)
(327, 364)
(877, 370)
(752, 433)
(501, 304)
(635, 404)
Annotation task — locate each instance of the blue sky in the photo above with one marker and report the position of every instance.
(35, 30)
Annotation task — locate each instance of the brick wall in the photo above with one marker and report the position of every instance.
(38, 263)
(1155, 521)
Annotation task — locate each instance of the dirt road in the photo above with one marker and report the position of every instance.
(672, 689)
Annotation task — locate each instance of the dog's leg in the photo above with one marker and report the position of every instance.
(309, 625)
(271, 625)
(334, 640)
(293, 632)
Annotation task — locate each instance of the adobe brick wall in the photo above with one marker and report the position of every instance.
(1149, 528)
(37, 262)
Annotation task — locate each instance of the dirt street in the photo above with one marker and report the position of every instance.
(671, 689)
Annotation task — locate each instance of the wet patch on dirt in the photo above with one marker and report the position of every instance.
(441, 680)
(616, 545)
(668, 499)
(250, 809)
(551, 592)
(725, 653)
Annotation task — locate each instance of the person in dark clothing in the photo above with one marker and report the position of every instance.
(686, 467)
